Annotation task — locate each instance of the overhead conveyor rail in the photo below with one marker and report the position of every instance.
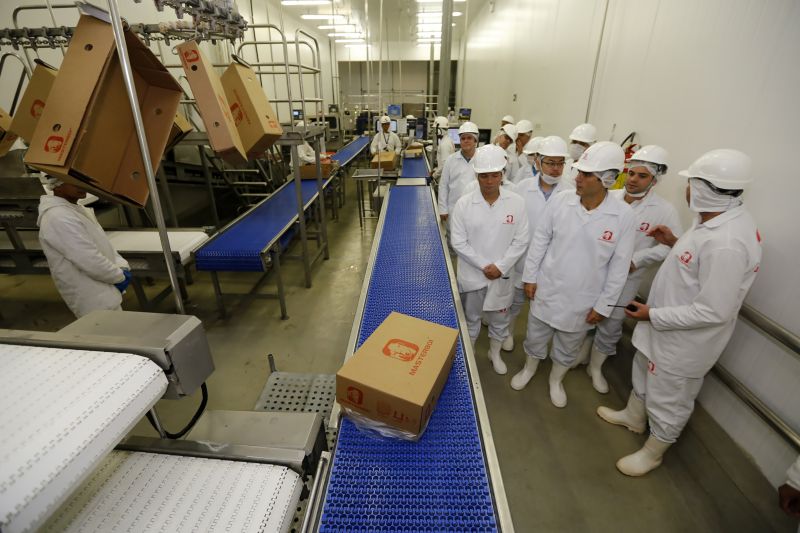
(449, 480)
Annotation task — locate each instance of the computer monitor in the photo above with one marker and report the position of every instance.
(453, 133)
(297, 114)
(394, 110)
(392, 127)
(464, 113)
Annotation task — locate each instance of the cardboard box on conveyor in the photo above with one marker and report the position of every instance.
(392, 382)
(308, 171)
(86, 134)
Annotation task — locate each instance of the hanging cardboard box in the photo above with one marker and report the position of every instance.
(255, 120)
(7, 139)
(86, 134)
(212, 103)
(385, 160)
(33, 100)
(397, 375)
(181, 127)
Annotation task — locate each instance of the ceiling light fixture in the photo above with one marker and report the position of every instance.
(349, 40)
(436, 15)
(438, 1)
(356, 45)
(347, 34)
(332, 18)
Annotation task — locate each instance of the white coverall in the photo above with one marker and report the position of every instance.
(650, 211)
(694, 301)
(445, 149)
(513, 162)
(456, 175)
(481, 235)
(82, 261)
(385, 142)
(535, 203)
(579, 260)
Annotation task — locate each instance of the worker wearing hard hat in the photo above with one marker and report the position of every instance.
(445, 147)
(692, 307)
(576, 266)
(508, 119)
(505, 139)
(489, 232)
(645, 168)
(385, 140)
(88, 273)
(529, 164)
(457, 172)
(304, 151)
(551, 153)
(581, 138)
(524, 134)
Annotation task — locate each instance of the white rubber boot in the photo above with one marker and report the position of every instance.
(494, 356)
(557, 393)
(584, 351)
(633, 417)
(595, 371)
(648, 458)
(508, 343)
(521, 378)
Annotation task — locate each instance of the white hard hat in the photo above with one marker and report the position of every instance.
(553, 146)
(585, 133)
(468, 127)
(511, 131)
(650, 154)
(489, 158)
(532, 146)
(508, 118)
(411, 117)
(524, 126)
(385, 120)
(602, 156)
(441, 122)
(724, 168)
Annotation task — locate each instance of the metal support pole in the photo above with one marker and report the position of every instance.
(210, 186)
(444, 57)
(380, 57)
(301, 217)
(127, 75)
(323, 224)
(157, 424)
(430, 82)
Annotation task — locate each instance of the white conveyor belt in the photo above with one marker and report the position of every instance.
(135, 491)
(61, 412)
(182, 242)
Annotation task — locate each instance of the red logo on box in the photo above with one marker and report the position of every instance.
(355, 395)
(36, 108)
(54, 144)
(237, 113)
(190, 56)
(400, 349)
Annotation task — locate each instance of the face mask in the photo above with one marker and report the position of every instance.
(550, 180)
(643, 193)
(576, 151)
(703, 199)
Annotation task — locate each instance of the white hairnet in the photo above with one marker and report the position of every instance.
(49, 182)
(608, 177)
(652, 168)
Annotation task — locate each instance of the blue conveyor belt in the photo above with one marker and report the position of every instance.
(238, 248)
(439, 483)
(414, 167)
(350, 151)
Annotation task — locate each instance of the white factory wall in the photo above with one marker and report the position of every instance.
(409, 87)
(691, 76)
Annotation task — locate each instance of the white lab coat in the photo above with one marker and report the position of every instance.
(483, 234)
(513, 162)
(793, 474)
(568, 177)
(82, 261)
(456, 175)
(579, 259)
(388, 142)
(444, 149)
(697, 293)
(524, 172)
(535, 203)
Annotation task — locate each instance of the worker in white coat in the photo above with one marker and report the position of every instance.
(645, 168)
(304, 151)
(576, 266)
(581, 138)
(789, 492)
(88, 273)
(505, 139)
(385, 140)
(457, 172)
(524, 134)
(445, 147)
(551, 154)
(489, 232)
(692, 306)
(529, 164)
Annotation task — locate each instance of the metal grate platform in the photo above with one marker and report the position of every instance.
(439, 483)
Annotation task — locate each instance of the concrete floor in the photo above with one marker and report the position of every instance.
(557, 464)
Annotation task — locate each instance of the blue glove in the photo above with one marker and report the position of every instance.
(122, 285)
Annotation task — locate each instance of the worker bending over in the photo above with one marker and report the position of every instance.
(692, 307)
(576, 266)
(489, 232)
(87, 271)
(385, 140)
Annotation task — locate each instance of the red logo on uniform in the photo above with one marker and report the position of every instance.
(509, 219)
(355, 395)
(238, 114)
(758, 236)
(685, 257)
(36, 108)
(53, 144)
(651, 367)
(607, 235)
(190, 56)
(400, 349)
(644, 226)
